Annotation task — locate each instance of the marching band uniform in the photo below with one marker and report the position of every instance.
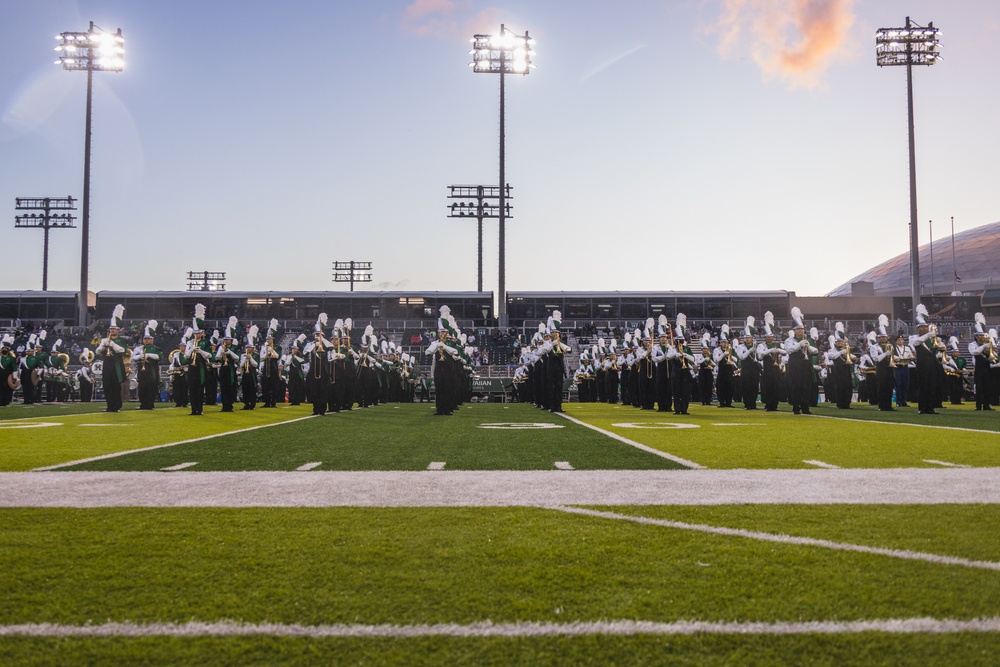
(611, 369)
(905, 357)
(227, 360)
(318, 376)
(981, 349)
(296, 372)
(927, 379)
(953, 369)
(773, 355)
(749, 367)
(647, 379)
(178, 371)
(146, 357)
(444, 366)
(249, 363)
(705, 365)
(85, 377)
(882, 353)
(111, 353)
(270, 368)
(681, 359)
(662, 369)
(725, 364)
(799, 368)
(8, 370)
(842, 368)
(197, 357)
(557, 363)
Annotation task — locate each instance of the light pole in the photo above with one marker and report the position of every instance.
(909, 46)
(94, 50)
(474, 206)
(352, 272)
(503, 53)
(46, 220)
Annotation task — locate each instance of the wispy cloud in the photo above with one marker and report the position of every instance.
(612, 61)
(792, 40)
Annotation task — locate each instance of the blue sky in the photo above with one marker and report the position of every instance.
(660, 145)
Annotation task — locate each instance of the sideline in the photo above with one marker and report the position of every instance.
(489, 629)
(876, 421)
(632, 443)
(169, 444)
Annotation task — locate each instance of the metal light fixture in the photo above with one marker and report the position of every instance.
(93, 51)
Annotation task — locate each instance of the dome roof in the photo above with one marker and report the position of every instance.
(977, 263)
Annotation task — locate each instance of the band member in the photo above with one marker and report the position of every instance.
(799, 367)
(270, 370)
(368, 357)
(904, 357)
(705, 364)
(57, 382)
(249, 363)
(661, 370)
(318, 376)
(111, 353)
(146, 358)
(611, 370)
(212, 370)
(197, 357)
(954, 370)
(228, 360)
(984, 356)
(841, 368)
(772, 376)
(749, 366)
(557, 363)
(336, 396)
(928, 371)
(883, 354)
(84, 376)
(9, 376)
(296, 372)
(177, 370)
(443, 366)
(682, 360)
(725, 362)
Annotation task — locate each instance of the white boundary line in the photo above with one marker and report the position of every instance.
(875, 421)
(787, 539)
(180, 466)
(519, 629)
(946, 464)
(632, 443)
(169, 444)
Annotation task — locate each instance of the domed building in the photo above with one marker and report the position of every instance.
(976, 263)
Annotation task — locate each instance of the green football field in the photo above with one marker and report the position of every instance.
(225, 547)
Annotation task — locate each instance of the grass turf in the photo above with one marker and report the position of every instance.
(415, 566)
(864, 438)
(404, 437)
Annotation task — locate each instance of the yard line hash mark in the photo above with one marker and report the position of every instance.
(436, 465)
(309, 466)
(564, 465)
(946, 464)
(180, 466)
(820, 464)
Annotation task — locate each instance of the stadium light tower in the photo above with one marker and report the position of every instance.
(45, 220)
(909, 46)
(503, 53)
(100, 51)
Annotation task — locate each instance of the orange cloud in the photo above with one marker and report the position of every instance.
(794, 40)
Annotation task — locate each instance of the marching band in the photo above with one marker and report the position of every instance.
(651, 367)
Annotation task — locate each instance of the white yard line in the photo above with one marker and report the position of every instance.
(169, 444)
(946, 464)
(820, 464)
(564, 465)
(789, 539)
(309, 466)
(632, 443)
(875, 421)
(436, 465)
(519, 629)
(180, 466)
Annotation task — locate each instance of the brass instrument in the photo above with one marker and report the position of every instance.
(992, 354)
(891, 349)
(87, 357)
(65, 359)
(848, 359)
